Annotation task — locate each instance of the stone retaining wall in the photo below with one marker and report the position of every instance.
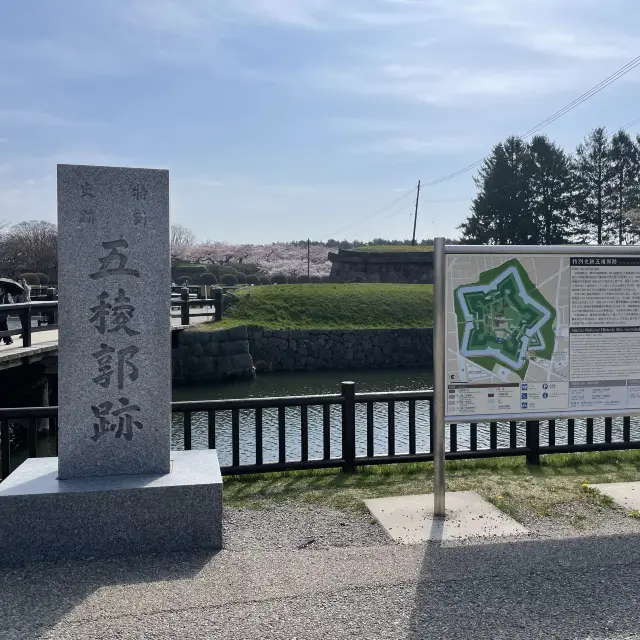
(311, 349)
(237, 353)
(212, 355)
(410, 267)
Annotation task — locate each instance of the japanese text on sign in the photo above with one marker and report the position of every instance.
(113, 315)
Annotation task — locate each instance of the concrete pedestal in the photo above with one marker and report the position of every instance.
(43, 518)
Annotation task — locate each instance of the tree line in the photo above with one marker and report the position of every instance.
(536, 193)
(31, 245)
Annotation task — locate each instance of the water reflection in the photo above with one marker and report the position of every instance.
(311, 383)
(306, 383)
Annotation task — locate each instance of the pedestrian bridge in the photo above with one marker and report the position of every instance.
(43, 343)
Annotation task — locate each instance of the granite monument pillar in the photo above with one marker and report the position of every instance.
(115, 370)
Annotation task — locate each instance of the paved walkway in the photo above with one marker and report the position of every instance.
(583, 588)
(42, 342)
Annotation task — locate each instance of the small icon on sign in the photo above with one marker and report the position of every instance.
(524, 386)
(545, 395)
(524, 405)
(545, 386)
(524, 396)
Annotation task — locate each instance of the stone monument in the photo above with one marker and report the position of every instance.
(116, 486)
(114, 304)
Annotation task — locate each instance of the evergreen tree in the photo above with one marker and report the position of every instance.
(591, 172)
(550, 185)
(500, 211)
(623, 189)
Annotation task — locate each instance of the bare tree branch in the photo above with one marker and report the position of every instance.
(31, 244)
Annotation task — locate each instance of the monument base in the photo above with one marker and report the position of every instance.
(43, 518)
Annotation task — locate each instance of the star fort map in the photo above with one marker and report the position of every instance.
(541, 333)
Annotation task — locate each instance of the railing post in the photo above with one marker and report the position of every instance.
(217, 303)
(25, 321)
(348, 391)
(184, 306)
(5, 450)
(533, 442)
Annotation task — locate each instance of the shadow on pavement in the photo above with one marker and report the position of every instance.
(33, 599)
(577, 588)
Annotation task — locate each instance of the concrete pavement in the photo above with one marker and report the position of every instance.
(581, 588)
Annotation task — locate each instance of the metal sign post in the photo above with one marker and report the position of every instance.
(439, 386)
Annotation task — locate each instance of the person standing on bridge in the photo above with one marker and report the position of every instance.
(5, 298)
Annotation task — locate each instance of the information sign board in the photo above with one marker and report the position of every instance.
(541, 333)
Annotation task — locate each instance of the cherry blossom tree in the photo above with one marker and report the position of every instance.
(279, 257)
(182, 240)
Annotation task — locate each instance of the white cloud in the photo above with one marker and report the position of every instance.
(581, 45)
(407, 145)
(38, 119)
(185, 18)
(564, 29)
(436, 85)
(366, 125)
(77, 56)
(203, 182)
(303, 13)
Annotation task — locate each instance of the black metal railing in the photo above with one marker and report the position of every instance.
(345, 430)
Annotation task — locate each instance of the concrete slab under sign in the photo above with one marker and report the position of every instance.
(625, 494)
(409, 519)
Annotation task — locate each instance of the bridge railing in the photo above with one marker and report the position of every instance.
(44, 312)
(344, 430)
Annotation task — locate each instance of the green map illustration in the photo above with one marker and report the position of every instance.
(502, 318)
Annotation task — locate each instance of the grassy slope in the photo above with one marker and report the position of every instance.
(338, 306)
(380, 248)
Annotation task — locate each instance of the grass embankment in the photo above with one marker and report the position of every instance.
(383, 248)
(557, 489)
(331, 306)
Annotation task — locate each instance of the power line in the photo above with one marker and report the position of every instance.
(585, 96)
(630, 124)
(455, 174)
(558, 114)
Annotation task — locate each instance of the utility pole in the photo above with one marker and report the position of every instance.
(308, 259)
(415, 216)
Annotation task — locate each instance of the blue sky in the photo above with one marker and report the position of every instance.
(287, 119)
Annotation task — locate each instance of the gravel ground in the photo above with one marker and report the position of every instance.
(580, 519)
(292, 526)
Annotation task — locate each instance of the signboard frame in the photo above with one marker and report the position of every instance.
(441, 251)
